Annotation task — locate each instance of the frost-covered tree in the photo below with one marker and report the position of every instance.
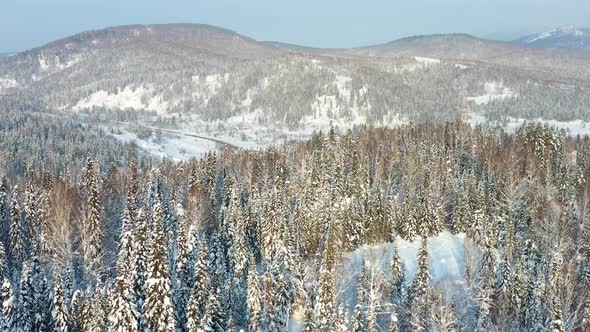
(158, 307)
(59, 312)
(122, 315)
(254, 300)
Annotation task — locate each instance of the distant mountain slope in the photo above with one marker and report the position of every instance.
(233, 83)
(469, 48)
(565, 37)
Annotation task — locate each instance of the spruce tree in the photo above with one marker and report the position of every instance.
(214, 319)
(158, 307)
(59, 311)
(325, 304)
(254, 301)
(92, 232)
(122, 315)
(9, 313)
(17, 241)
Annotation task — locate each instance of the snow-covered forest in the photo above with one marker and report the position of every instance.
(314, 236)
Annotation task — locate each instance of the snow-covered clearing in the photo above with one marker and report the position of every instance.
(173, 146)
(447, 257)
(427, 61)
(493, 91)
(447, 264)
(7, 83)
(126, 98)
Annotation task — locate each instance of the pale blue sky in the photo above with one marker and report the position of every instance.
(323, 23)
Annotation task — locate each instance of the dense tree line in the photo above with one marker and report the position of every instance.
(255, 240)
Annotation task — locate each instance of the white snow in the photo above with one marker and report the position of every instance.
(127, 98)
(427, 61)
(43, 63)
(492, 91)
(446, 252)
(73, 60)
(564, 30)
(510, 124)
(7, 83)
(176, 147)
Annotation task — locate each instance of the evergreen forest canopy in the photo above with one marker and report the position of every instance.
(97, 238)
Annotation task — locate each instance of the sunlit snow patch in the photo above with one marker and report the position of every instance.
(493, 91)
(427, 61)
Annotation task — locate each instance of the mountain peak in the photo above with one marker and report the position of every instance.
(564, 37)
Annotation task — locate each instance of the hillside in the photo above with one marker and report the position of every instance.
(205, 80)
(567, 37)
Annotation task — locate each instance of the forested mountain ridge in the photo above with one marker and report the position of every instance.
(262, 240)
(209, 75)
(567, 37)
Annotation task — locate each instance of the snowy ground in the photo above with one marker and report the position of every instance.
(447, 263)
(492, 91)
(174, 146)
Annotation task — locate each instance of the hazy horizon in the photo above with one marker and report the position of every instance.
(31, 23)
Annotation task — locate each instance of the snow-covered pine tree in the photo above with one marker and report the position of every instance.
(92, 230)
(17, 241)
(4, 210)
(193, 313)
(418, 297)
(80, 312)
(59, 312)
(30, 211)
(158, 307)
(214, 319)
(99, 309)
(9, 313)
(309, 323)
(45, 218)
(201, 288)
(254, 300)
(3, 263)
(139, 273)
(325, 302)
(122, 315)
(397, 269)
(125, 257)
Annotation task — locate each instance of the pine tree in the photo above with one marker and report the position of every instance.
(213, 320)
(140, 266)
(193, 315)
(17, 242)
(79, 312)
(325, 304)
(4, 210)
(30, 218)
(122, 315)
(397, 277)
(202, 278)
(8, 307)
(92, 232)
(309, 324)
(3, 263)
(158, 304)
(59, 312)
(420, 291)
(125, 256)
(254, 304)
